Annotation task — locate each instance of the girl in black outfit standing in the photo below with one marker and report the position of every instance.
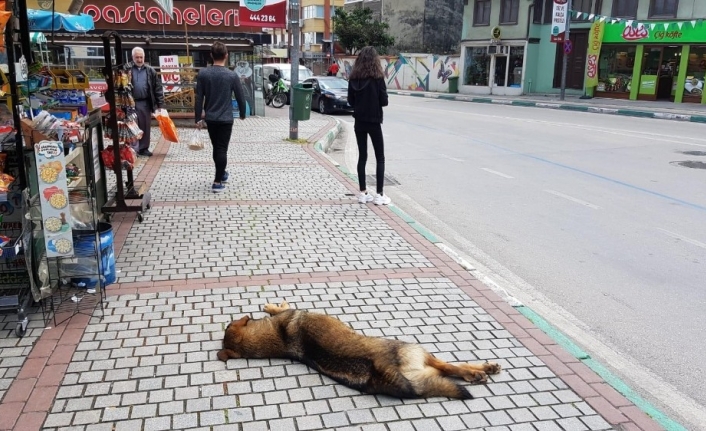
(367, 94)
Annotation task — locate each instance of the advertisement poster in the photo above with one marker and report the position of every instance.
(595, 41)
(263, 13)
(54, 198)
(170, 81)
(560, 13)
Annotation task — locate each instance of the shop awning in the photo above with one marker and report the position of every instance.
(37, 37)
(42, 20)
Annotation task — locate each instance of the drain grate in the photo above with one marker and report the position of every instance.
(389, 181)
(691, 164)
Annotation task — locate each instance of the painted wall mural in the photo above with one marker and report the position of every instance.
(413, 72)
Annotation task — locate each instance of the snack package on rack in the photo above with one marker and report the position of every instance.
(5, 181)
(128, 156)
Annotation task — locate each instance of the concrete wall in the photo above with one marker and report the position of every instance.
(406, 19)
(414, 72)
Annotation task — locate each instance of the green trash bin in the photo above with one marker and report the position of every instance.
(302, 101)
(453, 84)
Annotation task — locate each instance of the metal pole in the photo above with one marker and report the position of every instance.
(333, 32)
(565, 58)
(294, 50)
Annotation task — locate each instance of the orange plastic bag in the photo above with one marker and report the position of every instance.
(166, 126)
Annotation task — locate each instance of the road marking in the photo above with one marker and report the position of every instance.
(573, 199)
(452, 158)
(498, 173)
(683, 238)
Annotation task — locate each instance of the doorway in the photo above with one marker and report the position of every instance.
(576, 64)
(499, 68)
(660, 69)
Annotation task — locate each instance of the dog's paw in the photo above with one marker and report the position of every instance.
(284, 305)
(491, 368)
(270, 308)
(476, 377)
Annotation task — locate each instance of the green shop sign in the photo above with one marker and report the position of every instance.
(655, 32)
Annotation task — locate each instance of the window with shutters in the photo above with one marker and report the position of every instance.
(625, 8)
(509, 10)
(664, 8)
(481, 12)
(581, 6)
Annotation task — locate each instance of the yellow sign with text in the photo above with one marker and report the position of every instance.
(595, 41)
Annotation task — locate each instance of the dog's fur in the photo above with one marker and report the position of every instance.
(368, 364)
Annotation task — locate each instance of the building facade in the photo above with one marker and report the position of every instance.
(646, 49)
(419, 26)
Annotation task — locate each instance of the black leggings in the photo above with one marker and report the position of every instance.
(362, 130)
(220, 138)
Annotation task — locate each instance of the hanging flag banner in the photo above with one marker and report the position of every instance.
(560, 13)
(595, 41)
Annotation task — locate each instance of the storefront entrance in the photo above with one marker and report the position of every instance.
(660, 69)
(499, 66)
(498, 73)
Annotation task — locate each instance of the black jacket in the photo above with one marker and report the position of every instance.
(154, 83)
(367, 97)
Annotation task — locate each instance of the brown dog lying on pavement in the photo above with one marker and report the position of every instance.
(368, 364)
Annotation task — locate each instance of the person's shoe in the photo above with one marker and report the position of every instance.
(365, 198)
(382, 199)
(146, 153)
(218, 188)
(225, 177)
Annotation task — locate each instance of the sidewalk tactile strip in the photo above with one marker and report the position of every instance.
(185, 182)
(152, 363)
(198, 242)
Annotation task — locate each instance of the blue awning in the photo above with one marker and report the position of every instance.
(41, 20)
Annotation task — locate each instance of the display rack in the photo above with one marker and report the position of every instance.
(129, 190)
(70, 277)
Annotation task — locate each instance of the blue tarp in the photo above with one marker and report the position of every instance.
(41, 20)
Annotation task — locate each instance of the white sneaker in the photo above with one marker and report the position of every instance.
(382, 200)
(365, 198)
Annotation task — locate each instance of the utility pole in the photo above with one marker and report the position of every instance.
(565, 58)
(294, 55)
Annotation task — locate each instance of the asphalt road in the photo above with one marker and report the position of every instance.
(586, 218)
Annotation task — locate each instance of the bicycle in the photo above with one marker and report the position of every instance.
(277, 96)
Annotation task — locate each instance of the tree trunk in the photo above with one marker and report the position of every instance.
(75, 7)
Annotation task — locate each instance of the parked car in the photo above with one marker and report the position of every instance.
(285, 70)
(330, 94)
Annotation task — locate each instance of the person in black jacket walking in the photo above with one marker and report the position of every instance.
(149, 96)
(367, 94)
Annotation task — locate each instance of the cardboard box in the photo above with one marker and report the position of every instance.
(30, 135)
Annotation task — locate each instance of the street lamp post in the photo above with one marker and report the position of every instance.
(294, 50)
(565, 58)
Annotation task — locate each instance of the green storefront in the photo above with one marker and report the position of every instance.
(653, 61)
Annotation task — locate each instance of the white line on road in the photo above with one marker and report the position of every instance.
(683, 238)
(451, 158)
(573, 199)
(497, 173)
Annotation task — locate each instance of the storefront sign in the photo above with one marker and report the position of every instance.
(662, 32)
(171, 81)
(560, 14)
(595, 40)
(198, 16)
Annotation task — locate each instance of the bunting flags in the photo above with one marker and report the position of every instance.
(634, 23)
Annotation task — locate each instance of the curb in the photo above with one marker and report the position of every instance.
(560, 106)
(552, 332)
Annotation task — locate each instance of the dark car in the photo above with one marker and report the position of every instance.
(330, 94)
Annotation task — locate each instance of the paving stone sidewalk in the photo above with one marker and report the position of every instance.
(288, 228)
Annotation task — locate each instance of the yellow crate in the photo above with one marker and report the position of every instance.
(62, 79)
(79, 79)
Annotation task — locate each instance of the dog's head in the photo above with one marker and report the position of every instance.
(232, 339)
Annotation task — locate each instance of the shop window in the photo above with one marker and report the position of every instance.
(481, 12)
(664, 8)
(581, 6)
(477, 66)
(508, 11)
(625, 8)
(517, 56)
(615, 67)
(695, 74)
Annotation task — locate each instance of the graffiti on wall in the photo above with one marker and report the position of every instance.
(415, 72)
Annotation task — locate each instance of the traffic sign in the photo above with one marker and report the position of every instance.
(568, 47)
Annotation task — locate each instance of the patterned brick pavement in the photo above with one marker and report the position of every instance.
(287, 229)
